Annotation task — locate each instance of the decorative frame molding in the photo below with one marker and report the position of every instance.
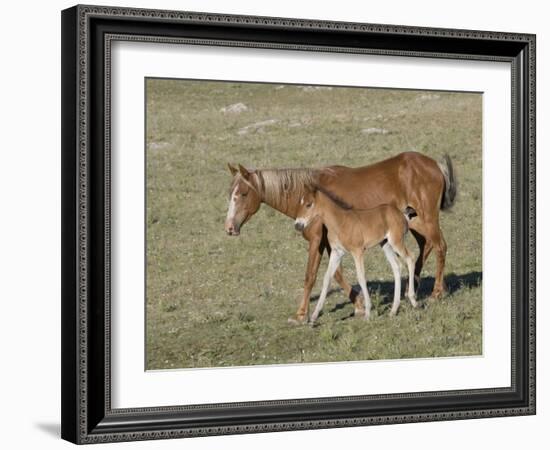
(87, 34)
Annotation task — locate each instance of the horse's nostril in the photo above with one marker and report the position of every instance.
(298, 226)
(232, 230)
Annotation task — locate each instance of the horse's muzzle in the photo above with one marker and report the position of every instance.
(298, 226)
(231, 229)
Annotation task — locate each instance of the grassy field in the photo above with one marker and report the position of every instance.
(214, 300)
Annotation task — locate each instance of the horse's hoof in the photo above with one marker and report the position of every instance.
(358, 303)
(297, 320)
(359, 312)
(437, 294)
(393, 313)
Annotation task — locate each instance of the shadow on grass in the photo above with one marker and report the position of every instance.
(384, 289)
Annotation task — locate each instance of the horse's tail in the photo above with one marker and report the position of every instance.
(449, 194)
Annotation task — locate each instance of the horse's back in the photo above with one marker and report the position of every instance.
(396, 166)
(401, 181)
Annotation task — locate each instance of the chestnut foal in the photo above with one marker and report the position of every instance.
(355, 231)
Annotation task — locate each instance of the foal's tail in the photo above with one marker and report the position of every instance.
(409, 213)
(449, 194)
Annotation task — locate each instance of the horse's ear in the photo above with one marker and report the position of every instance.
(244, 172)
(232, 169)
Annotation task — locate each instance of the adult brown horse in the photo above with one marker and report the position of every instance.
(407, 180)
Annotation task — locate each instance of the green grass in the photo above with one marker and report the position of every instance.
(214, 300)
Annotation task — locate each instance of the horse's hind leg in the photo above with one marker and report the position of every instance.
(441, 251)
(390, 256)
(434, 240)
(424, 249)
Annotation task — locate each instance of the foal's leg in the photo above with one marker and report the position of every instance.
(354, 296)
(400, 248)
(360, 269)
(333, 263)
(390, 255)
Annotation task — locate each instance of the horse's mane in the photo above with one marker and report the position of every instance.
(277, 185)
(332, 196)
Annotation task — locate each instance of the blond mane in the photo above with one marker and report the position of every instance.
(277, 185)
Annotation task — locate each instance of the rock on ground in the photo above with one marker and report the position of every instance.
(257, 127)
(375, 131)
(235, 108)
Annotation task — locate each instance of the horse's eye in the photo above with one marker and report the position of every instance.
(309, 205)
(244, 194)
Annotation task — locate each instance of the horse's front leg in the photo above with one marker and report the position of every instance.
(313, 234)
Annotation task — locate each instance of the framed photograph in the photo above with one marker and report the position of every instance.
(280, 224)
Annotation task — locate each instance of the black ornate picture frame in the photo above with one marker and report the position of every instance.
(87, 34)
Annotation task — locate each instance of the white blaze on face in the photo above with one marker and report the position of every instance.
(304, 219)
(232, 204)
(300, 220)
